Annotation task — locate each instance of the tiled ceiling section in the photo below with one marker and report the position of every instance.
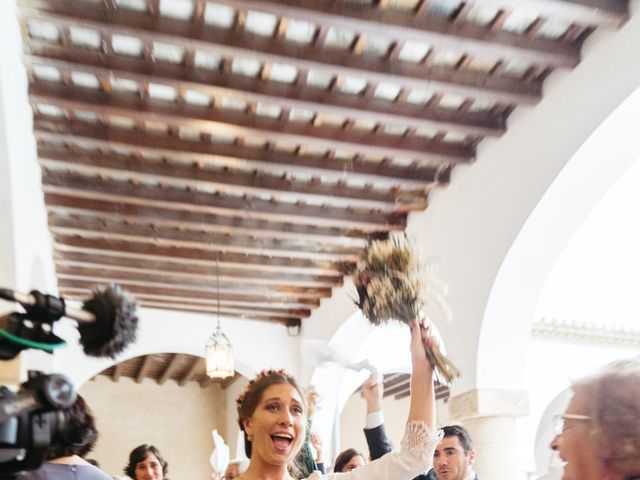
(267, 140)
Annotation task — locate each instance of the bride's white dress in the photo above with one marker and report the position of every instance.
(414, 457)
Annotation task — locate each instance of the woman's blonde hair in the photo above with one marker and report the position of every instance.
(612, 398)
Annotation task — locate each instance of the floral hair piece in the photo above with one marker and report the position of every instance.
(261, 374)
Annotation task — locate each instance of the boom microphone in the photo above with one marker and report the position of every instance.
(107, 321)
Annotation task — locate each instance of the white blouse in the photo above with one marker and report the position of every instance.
(414, 458)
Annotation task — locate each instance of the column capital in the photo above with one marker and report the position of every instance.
(487, 402)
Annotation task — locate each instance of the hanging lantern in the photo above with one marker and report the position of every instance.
(219, 353)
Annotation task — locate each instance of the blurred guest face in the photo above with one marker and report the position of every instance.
(356, 461)
(149, 469)
(575, 445)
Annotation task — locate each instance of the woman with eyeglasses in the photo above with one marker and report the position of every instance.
(599, 434)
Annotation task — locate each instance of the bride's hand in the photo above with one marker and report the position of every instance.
(421, 339)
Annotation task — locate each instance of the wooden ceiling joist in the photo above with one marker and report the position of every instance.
(611, 13)
(250, 262)
(102, 228)
(173, 363)
(210, 305)
(211, 308)
(59, 130)
(122, 210)
(197, 364)
(405, 25)
(186, 293)
(95, 275)
(230, 43)
(255, 208)
(228, 180)
(240, 124)
(202, 273)
(214, 83)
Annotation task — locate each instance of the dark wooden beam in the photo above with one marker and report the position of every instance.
(194, 255)
(207, 305)
(226, 307)
(123, 210)
(227, 382)
(117, 372)
(189, 293)
(97, 275)
(239, 124)
(611, 13)
(144, 231)
(231, 43)
(202, 273)
(216, 84)
(171, 365)
(256, 208)
(399, 25)
(196, 365)
(359, 170)
(249, 315)
(222, 179)
(144, 368)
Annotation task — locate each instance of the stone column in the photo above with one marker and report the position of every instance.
(490, 417)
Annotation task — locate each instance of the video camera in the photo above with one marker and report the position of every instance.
(31, 417)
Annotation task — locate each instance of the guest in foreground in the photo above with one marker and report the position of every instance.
(272, 412)
(599, 433)
(76, 438)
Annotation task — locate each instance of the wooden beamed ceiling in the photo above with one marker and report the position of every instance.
(265, 142)
(161, 367)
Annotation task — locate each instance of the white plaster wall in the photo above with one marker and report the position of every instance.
(25, 243)
(178, 332)
(177, 420)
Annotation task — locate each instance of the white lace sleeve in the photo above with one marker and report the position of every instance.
(415, 457)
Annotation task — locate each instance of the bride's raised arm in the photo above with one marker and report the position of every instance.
(420, 437)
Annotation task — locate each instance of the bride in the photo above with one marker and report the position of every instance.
(273, 415)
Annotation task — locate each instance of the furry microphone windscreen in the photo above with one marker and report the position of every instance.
(116, 322)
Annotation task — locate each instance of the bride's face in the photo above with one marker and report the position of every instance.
(277, 426)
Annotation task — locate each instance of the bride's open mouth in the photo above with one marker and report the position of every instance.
(282, 441)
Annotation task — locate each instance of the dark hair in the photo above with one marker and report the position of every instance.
(248, 401)
(78, 433)
(462, 434)
(138, 455)
(344, 458)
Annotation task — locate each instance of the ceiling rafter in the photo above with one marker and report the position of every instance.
(240, 124)
(67, 203)
(244, 207)
(230, 43)
(102, 228)
(214, 83)
(202, 273)
(251, 262)
(401, 25)
(228, 180)
(58, 130)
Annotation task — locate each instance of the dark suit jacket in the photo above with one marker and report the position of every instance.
(379, 444)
